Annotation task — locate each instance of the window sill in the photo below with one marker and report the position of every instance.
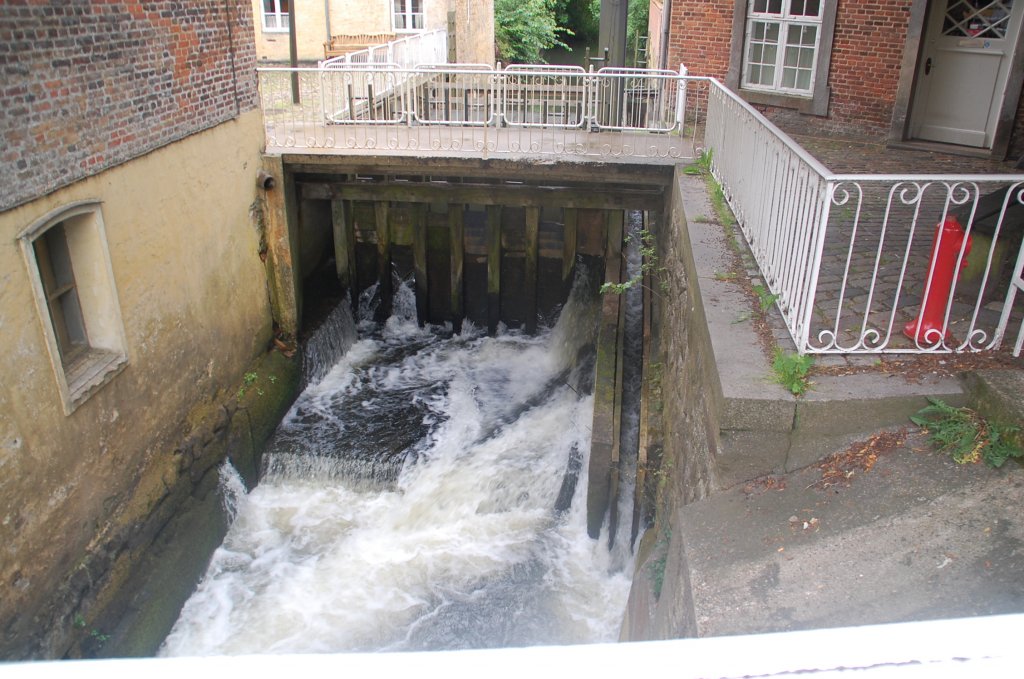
(811, 105)
(90, 371)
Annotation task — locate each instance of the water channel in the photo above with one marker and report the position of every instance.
(416, 497)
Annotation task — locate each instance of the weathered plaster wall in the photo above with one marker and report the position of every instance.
(192, 290)
(366, 16)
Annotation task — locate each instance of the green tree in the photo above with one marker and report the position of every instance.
(522, 28)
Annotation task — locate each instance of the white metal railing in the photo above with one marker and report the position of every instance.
(430, 47)
(849, 258)
(518, 110)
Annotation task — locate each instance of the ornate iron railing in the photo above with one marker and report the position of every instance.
(517, 110)
(856, 263)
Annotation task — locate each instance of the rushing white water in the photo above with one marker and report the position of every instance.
(408, 503)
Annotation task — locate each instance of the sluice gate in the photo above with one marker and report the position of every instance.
(490, 242)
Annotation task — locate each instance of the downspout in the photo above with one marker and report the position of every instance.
(666, 14)
(327, 18)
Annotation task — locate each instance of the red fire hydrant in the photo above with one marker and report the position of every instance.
(949, 239)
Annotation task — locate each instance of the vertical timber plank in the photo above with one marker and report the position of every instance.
(604, 442)
(457, 232)
(380, 213)
(419, 261)
(342, 244)
(493, 237)
(530, 267)
(569, 245)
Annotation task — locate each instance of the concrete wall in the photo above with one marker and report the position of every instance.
(192, 293)
(687, 394)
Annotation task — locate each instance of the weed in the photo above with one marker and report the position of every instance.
(765, 299)
(702, 219)
(966, 435)
(247, 381)
(791, 371)
(78, 621)
(649, 264)
(99, 636)
(701, 166)
(726, 275)
(656, 567)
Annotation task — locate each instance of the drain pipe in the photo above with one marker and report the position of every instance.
(666, 14)
(327, 18)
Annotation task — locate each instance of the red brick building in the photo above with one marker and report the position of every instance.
(919, 72)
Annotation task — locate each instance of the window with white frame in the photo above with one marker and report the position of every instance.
(781, 46)
(275, 16)
(73, 284)
(408, 15)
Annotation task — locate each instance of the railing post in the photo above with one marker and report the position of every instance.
(681, 99)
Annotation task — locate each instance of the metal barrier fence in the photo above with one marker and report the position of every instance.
(858, 263)
(517, 110)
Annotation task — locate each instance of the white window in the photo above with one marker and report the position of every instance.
(780, 50)
(73, 284)
(275, 16)
(408, 15)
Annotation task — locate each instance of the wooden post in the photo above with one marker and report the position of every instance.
(282, 248)
(457, 231)
(342, 244)
(493, 237)
(419, 261)
(380, 213)
(570, 216)
(530, 267)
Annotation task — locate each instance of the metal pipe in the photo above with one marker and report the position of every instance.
(666, 16)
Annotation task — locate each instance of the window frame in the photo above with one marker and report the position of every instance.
(409, 16)
(83, 369)
(815, 102)
(281, 17)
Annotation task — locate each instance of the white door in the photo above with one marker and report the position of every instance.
(963, 70)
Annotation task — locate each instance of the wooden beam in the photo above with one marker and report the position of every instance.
(380, 213)
(457, 230)
(493, 237)
(342, 244)
(640, 174)
(530, 268)
(639, 198)
(419, 262)
(569, 244)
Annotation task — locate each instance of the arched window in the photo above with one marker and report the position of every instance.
(73, 284)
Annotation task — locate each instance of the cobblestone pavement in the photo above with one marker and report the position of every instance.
(879, 241)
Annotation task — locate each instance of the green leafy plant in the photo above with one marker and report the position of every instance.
(966, 435)
(701, 166)
(765, 299)
(649, 265)
(791, 370)
(523, 28)
(248, 380)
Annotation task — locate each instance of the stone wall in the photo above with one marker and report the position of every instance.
(687, 382)
(87, 85)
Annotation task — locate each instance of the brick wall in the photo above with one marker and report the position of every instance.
(88, 84)
(700, 35)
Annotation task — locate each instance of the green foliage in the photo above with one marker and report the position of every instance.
(649, 265)
(701, 166)
(966, 435)
(523, 28)
(250, 379)
(765, 299)
(791, 371)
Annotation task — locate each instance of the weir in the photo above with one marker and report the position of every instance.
(452, 476)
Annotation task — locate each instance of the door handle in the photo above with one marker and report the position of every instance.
(928, 66)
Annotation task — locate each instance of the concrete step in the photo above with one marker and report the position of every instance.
(915, 537)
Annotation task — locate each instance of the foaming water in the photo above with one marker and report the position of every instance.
(408, 503)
